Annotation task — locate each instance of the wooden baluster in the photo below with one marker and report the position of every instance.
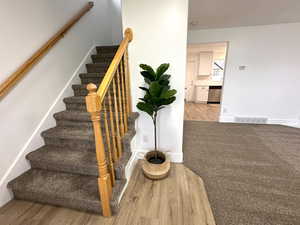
(112, 127)
(118, 131)
(120, 102)
(104, 182)
(109, 149)
(124, 100)
(127, 83)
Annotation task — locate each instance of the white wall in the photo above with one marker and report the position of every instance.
(160, 33)
(269, 87)
(116, 21)
(25, 26)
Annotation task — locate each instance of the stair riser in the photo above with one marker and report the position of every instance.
(99, 59)
(81, 145)
(70, 123)
(76, 107)
(84, 92)
(92, 207)
(82, 106)
(96, 80)
(92, 68)
(89, 171)
(107, 50)
(82, 124)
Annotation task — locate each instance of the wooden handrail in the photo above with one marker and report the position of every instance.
(113, 91)
(109, 75)
(12, 80)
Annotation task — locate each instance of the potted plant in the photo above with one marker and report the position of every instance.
(158, 94)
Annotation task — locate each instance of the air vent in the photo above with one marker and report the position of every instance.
(256, 120)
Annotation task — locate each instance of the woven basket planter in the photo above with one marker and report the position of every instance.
(156, 171)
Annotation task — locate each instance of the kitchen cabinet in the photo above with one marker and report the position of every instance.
(205, 63)
(202, 94)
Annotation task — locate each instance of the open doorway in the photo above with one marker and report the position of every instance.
(204, 81)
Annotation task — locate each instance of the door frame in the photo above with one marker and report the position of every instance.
(225, 69)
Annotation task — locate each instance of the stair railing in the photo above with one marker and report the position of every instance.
(14, 78)
(110, 104)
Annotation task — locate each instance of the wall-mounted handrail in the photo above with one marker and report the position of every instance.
(13, 79)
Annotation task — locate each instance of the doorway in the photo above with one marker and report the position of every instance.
(204, 82)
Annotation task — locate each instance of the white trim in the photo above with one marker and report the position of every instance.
(175, 157)
(285, 122)
(20, 165)
(128, 172)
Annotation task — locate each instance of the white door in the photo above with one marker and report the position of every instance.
(190, 79)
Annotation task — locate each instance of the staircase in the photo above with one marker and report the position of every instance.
(65, 172)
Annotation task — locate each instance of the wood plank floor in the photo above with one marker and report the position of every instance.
(201, 112)
(178, 200)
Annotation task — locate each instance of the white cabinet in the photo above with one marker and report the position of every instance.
(202, 94)
(205, 63)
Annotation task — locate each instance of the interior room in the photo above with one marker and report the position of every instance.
(204, 80)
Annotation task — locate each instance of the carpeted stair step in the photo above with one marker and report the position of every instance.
(95, 78)
(77, 103)
(81, 119)
(63, 189)
(70, 137)
(81, 90)
(69, 161)
(107, 49)
(102, 58)
(64, 160)
(97, 67)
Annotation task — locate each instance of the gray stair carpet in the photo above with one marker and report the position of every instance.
(251, 172)
(64, 171)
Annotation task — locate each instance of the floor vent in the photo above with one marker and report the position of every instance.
(256, 120)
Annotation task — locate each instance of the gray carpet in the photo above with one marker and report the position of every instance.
(251, 172)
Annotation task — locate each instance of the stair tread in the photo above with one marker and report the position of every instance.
(75, 99)
(102, 64)
(82, 162)
(63, 189)
(73, 115)
(91, 75)
(69, 133)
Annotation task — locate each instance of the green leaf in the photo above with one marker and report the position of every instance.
(168, 101)
(155, 89)
(162, 69)
(144, 89)
(148, 108)
(148, 69)
(168, 94)
(165, 77)
(148, 75)
(148, 81)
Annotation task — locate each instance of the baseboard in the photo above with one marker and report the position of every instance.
(285, 122)
(20, 164)
(175, 157)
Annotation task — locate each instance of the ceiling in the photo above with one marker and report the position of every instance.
(206, 14)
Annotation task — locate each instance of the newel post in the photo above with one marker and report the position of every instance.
(104, 183)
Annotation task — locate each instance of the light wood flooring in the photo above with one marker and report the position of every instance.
(177, 200)
(201, 112)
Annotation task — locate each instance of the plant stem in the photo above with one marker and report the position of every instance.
(154, 123)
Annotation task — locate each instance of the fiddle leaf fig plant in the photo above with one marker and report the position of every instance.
(158, 92)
